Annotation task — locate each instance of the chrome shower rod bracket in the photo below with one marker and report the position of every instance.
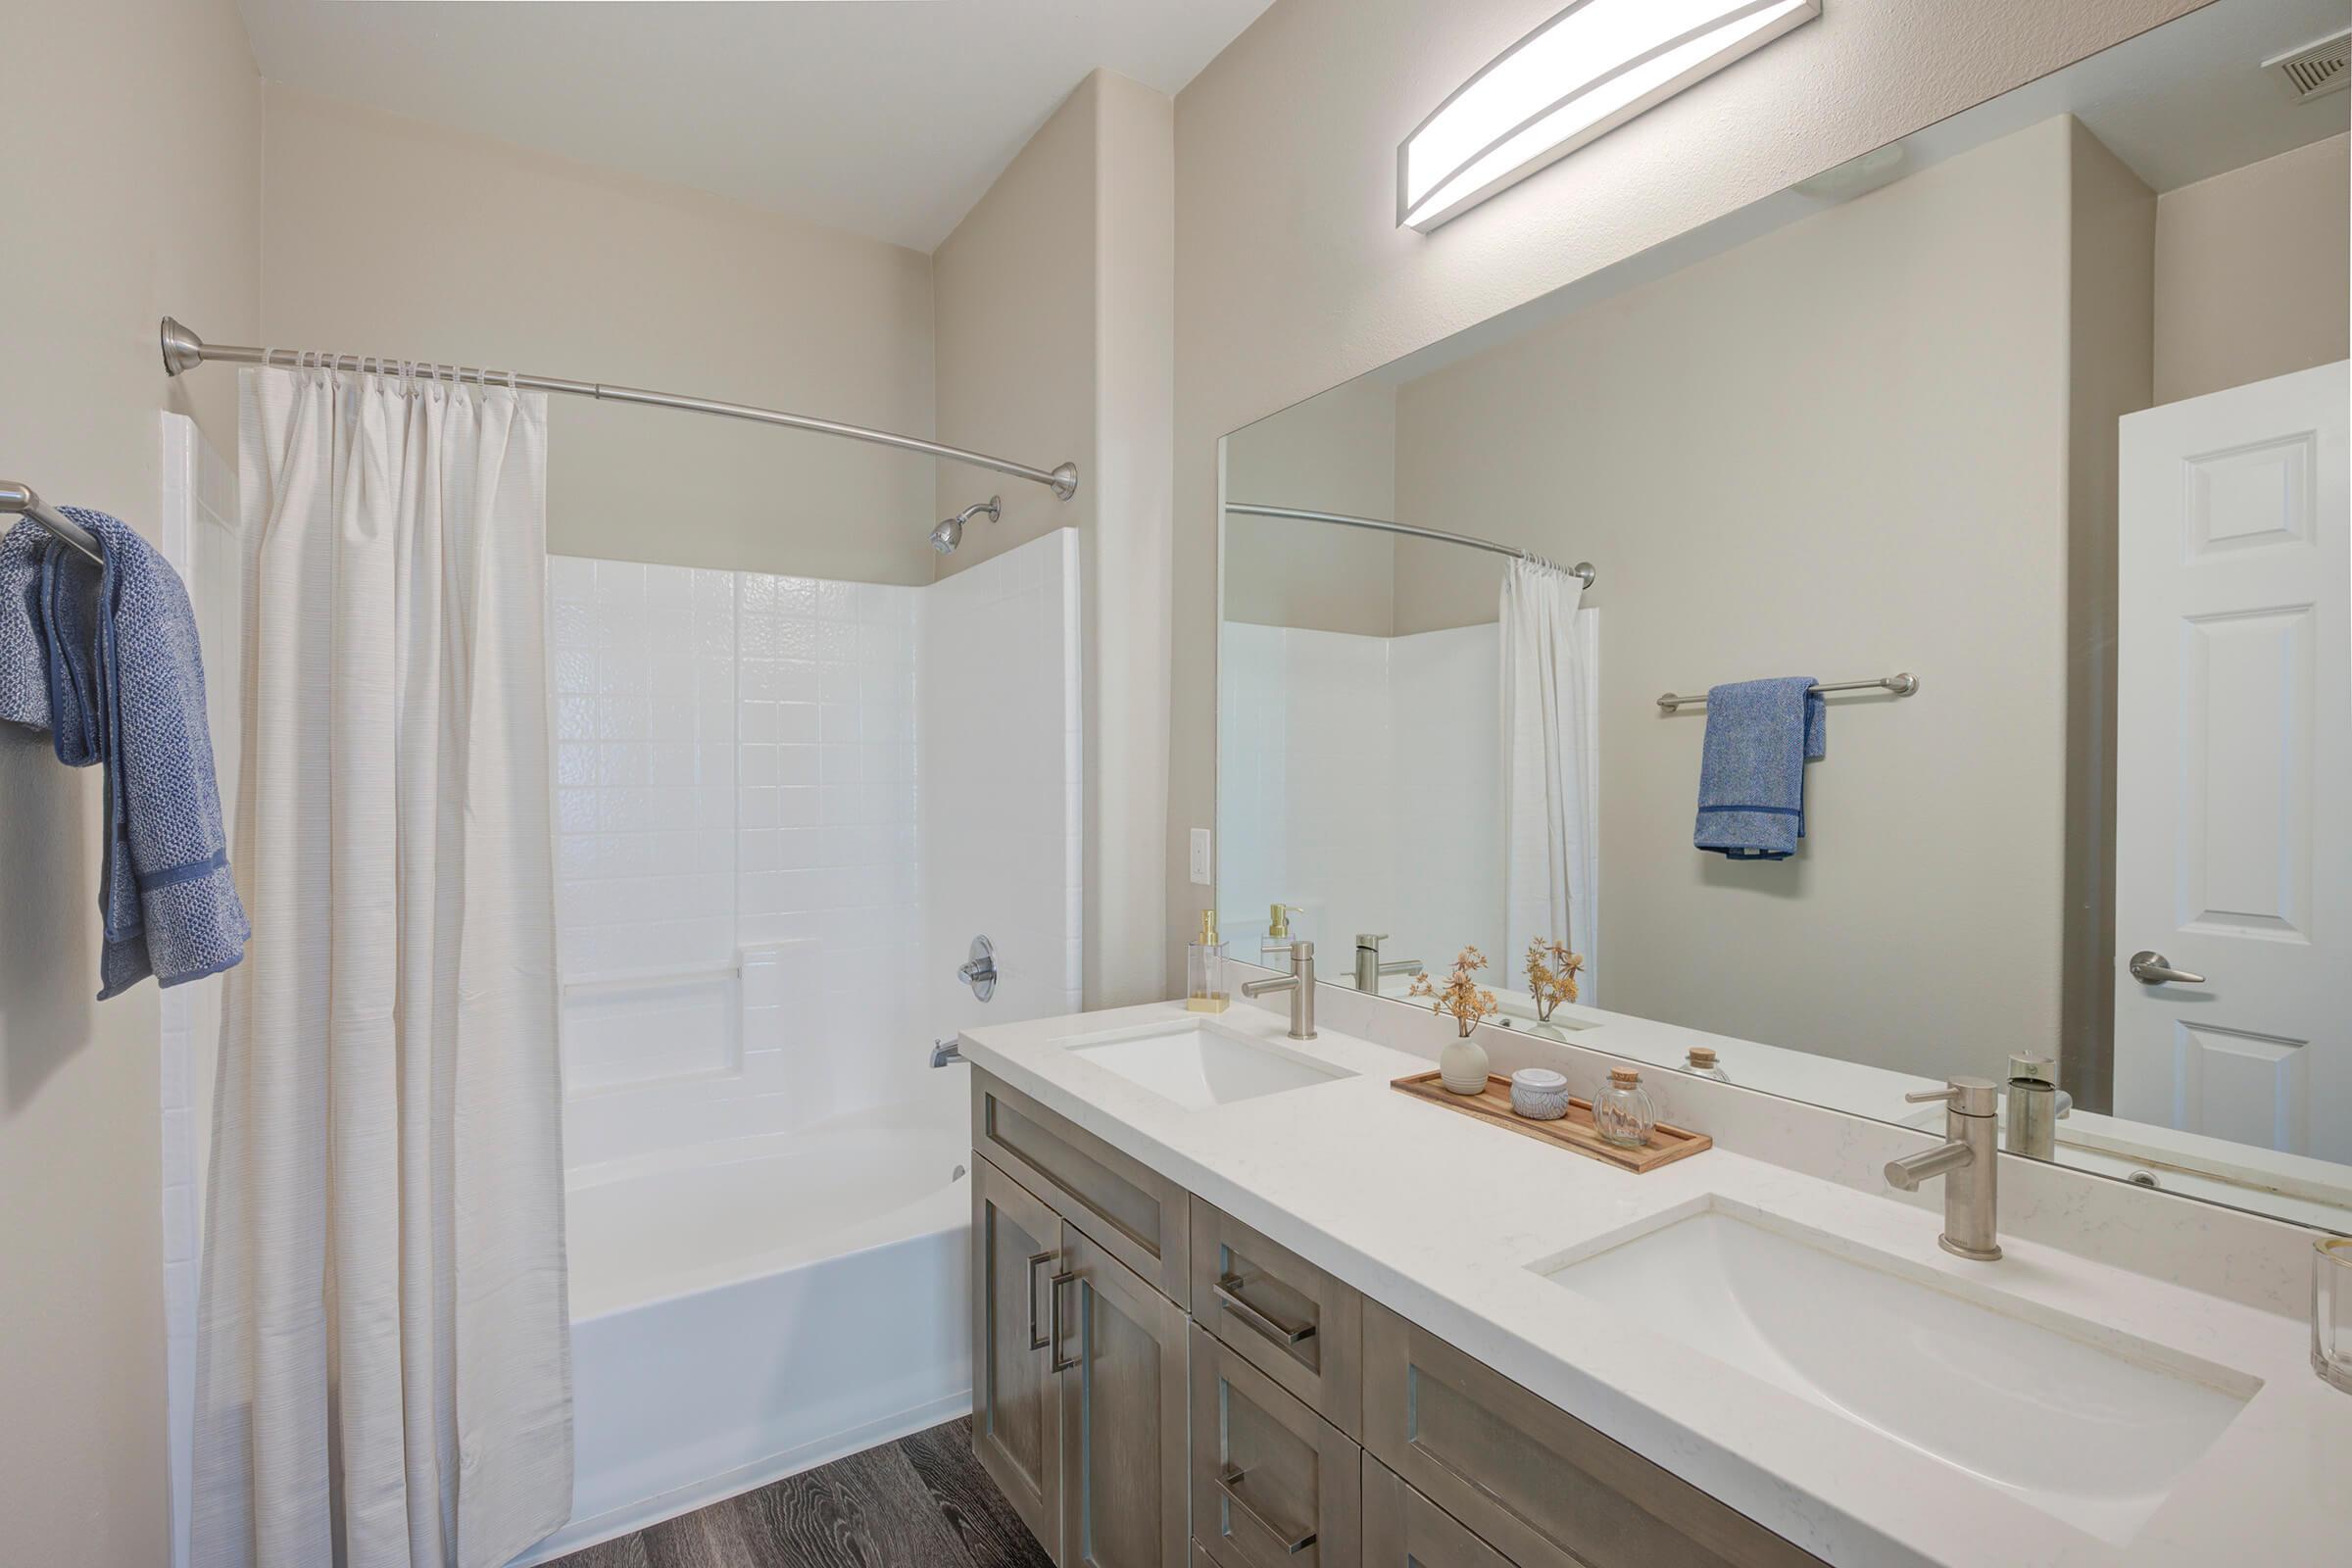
(184, 351)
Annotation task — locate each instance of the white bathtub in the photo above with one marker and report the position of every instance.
(747, 1309)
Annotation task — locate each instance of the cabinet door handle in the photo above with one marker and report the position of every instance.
(1228, 1291)
(1228, 1479)
(1037, 1340)
(1053, 1294)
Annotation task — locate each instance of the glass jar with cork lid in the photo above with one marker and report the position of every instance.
(1622, 1113)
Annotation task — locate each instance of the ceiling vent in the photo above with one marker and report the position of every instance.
(2316, 69)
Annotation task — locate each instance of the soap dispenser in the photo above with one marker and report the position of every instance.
(1275, 950)
(1205, 986)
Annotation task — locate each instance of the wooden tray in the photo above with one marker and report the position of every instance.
(1573, 1130)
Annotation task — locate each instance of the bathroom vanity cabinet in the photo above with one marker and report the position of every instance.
(1155, 1382)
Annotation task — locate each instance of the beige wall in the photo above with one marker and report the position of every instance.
(1056, 321)
(2110, 372)
(389, 236)
(2250, 272)
(1810, 455)
(1016, 307)
(1333, 453)
(131, 181)
(1292, 275)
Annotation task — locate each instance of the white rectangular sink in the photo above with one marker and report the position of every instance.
(2063, 1414)
(1197, 1064)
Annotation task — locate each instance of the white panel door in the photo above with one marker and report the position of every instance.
(2234, 766)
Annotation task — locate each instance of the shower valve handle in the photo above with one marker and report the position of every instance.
(979, 971)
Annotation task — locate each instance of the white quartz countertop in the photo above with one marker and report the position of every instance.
(1439, 1218)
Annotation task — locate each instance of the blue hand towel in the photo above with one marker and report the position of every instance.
(121, 682)
(23, 663)
(1751, 775)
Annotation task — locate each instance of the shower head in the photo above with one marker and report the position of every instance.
(949, 534)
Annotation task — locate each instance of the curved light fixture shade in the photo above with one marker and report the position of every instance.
(1580, 75)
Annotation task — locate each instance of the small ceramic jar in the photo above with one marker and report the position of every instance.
(1539, 1093)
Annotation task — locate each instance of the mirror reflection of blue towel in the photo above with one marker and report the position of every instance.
(1751, 775)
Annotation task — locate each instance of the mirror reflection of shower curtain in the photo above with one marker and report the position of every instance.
(383, 1357)
(1549, 839)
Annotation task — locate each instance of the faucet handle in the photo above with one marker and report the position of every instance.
(1967, 1095)
(1370, 939)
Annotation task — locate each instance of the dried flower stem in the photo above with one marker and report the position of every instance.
(1461, 996)
(1551, 975)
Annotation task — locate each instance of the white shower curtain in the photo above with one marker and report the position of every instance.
(1548, 821)
(383, 1355)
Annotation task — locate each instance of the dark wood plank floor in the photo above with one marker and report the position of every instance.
(920, 1502)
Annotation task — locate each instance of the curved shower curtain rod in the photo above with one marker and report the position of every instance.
(184, 351)
(1582, 572)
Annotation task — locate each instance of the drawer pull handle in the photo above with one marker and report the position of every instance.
(1053, 1294)
(1037, 1340)
(1228, 1291)
(1227, 1480)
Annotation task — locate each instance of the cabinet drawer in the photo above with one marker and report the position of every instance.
(1544, 1488)
(1137, 1216)
(1287, 1317)
(1402, 1528)
(1274, 1485)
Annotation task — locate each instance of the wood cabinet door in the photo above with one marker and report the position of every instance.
(1119, 1353)
(1016, 1407)
(1402, 1528)
(1274, 1485)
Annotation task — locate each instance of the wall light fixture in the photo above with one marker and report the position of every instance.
(1583, 73)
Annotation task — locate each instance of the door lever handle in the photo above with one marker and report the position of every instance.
(2153, 968)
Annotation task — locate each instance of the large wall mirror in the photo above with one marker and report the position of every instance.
(2024, 440)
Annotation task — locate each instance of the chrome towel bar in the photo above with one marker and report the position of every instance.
(1902, 685)
(24, 499)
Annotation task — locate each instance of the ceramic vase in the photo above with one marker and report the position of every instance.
(1462, 1066)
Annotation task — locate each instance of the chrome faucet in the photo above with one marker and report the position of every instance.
(945, 1052)
(1299, 983)
(1968, 1161)
(1369, 969)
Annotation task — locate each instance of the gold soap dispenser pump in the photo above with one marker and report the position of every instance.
(1275, 950)
(1205, 986)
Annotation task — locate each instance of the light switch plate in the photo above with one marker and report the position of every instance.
(1200, 856)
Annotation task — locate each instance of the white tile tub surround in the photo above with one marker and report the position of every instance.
(746, 886)
(825, 809)
(199, 524)
(1002, 791)
(643, 660)
(788, 805)
(1330, 742)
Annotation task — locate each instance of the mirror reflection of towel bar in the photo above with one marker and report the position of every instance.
(1902, 685)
